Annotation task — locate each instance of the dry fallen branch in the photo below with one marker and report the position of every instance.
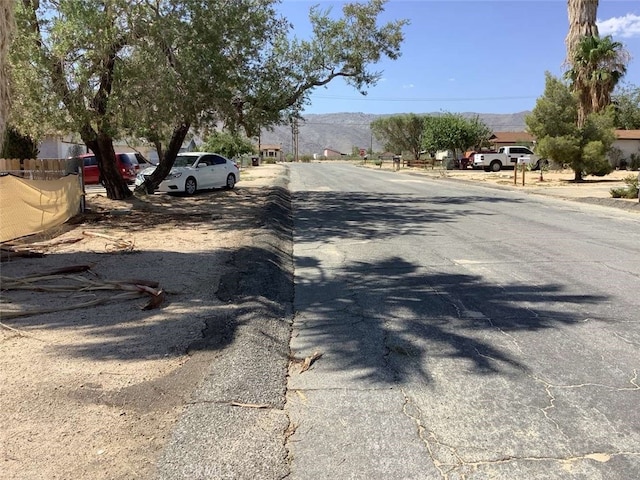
(77, 283)
(100, 235)
(32, 250)
(155, 301)
(69, 269)
(306, 364)
(42, 311)
(59, 241)
(31, 282)
(136, 281)
(7, 253)
(117, 243)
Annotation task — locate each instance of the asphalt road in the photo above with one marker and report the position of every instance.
(466, 332)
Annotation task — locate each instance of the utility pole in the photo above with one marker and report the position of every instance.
(293, 140)
(295, 131)
(259, 144)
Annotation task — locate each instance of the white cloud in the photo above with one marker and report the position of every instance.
(452, 79)
(623, 27)
(410, 85)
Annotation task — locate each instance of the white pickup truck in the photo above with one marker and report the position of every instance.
(506, 157)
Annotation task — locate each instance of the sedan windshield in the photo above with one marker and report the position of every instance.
(184, 161)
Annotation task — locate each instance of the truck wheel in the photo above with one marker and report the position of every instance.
(495, 166)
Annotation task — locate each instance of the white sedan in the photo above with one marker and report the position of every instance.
(194, 171)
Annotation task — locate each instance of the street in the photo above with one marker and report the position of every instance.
(465, 331)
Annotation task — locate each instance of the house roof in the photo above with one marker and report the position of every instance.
(511, 137)
(273, 146)
(628, 134)
(516, 137)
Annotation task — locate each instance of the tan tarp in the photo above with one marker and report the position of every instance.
(33, 206)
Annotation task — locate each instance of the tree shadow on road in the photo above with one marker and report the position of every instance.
(388, 320)
(358, 215)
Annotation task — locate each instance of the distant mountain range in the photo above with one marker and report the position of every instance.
(344, 131)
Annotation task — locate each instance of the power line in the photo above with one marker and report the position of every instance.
(303, 124)
(427, 99)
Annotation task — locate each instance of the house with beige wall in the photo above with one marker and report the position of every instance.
(271, 151)
(627, 143)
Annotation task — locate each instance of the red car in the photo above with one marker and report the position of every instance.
(128, 166)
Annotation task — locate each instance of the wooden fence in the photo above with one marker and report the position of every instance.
(39, 169)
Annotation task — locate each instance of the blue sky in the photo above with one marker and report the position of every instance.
(485, 56)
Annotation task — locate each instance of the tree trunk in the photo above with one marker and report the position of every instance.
(577, 177)
(167, 160)
(112, 180)
(582, 23)
(7, 27)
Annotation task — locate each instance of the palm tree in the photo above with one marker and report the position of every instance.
(597, 66)
(6, 34)
(582, 23)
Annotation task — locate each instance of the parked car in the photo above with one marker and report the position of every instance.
(194, 171)
(129, 165)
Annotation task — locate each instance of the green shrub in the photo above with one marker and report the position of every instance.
(599, 168)
(634, 163)
(17, 145)
(630, 191)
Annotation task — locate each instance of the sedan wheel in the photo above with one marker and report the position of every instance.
(231, 181)
(190, 186)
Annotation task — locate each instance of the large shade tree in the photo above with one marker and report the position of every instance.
(279, 72)
(157, 69)
(452, 131)
(400, 133)
(229, 144)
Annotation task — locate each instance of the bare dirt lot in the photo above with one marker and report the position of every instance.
(93, 392)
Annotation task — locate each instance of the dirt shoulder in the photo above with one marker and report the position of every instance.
(94, 392)
(554, 183)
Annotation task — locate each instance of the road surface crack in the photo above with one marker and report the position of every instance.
(431, 441)
(548, 386)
